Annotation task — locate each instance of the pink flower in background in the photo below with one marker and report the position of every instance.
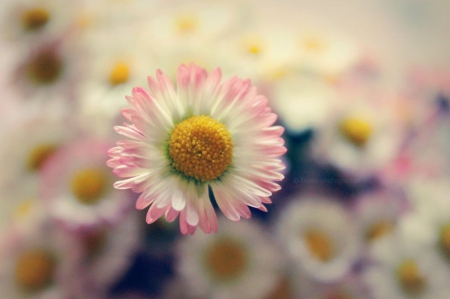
(203, 134)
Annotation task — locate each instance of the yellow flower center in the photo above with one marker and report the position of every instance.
(356, 130)
(252, 45)
(254, 48)
(119, 74)
(277, 73)
(89, 185)
(410, 278)
(35, 18)
(337, 294)
(378, 230)
(38, 155)
(45, 67)
(24, 208)
(444, 240)
(319, 245)
(282, 290)
(186, 23)
(34, 270)
(94, 241)
(313, 44)
(226, 259)
(201, 148)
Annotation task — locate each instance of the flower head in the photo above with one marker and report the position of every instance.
(231, 263)
(203, 134)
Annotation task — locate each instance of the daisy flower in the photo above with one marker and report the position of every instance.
(326, 54)
(204, 135)
(114, 68)
(429, 198)
(321, 238)
(30, 145)
(405, 267)
(378, 213)
(358, 138)
(240, 261)
(302, 101)
(76, 186)
(108, 251)
(29, 20)
(351, 287)
(46, 76)
(41, 263)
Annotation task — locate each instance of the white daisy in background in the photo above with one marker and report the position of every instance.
(77, 186)
(30, 145)
(377, 214)
(114, 68)
(406, 267)
(27, 21)
(108, 252)
(115, 13)
(350, 287)
(363, 135)
(48, 74)
(240, 261)
(290, 284)
(429, 197)
(21, 209)
(182, 22)
(39, 264)
(326, 54)
(192, 31)
(258, 50)
(321, 237)
(206, 135)
(302, 101)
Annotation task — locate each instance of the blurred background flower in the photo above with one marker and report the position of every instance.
(362, 89)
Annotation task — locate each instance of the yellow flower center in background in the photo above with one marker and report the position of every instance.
(313, 44)
(319, 245)
(94, 241)
(282, 290)
(356, 130)
(38, 155)
(338, 294)
(24, 208)
(226, 259)
(378, 230)
(410, 278)
(201, 148)
(254, 48)
(34, 270)
(45, 67)
(186, 23)
(444, 240)
(35, 18)
(252, 45)
(89, 185)
(119, 74)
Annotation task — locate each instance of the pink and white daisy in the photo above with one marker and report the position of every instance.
(320, 237)
(204, 134)
(240, 261)
(40, 263)
(76, 186)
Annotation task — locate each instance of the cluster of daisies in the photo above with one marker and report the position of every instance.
(137, 134)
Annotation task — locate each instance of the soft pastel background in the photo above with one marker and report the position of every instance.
(362, 88)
